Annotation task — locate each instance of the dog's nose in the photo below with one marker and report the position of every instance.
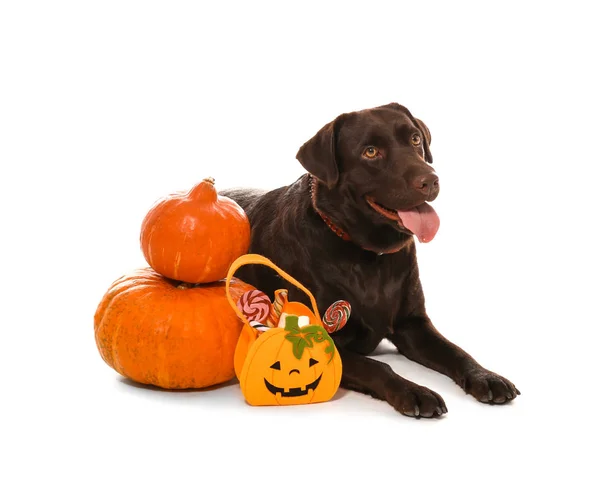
(427, 184)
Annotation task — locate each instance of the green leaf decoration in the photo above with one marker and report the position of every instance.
(302, 338)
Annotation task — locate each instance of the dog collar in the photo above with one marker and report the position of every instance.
(334, 228)
(312, 182)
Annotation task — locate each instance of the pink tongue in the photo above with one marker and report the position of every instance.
(422, 221)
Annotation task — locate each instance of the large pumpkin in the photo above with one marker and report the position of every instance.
(291, 366)
(161, 332)
(195, 236)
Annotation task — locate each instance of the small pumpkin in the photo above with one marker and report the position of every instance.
(194, 237)
(161, 332)
(291, 366)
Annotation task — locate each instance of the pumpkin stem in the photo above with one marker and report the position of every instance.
(204, 191)
(185, 285)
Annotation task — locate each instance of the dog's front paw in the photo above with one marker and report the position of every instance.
(488, 387)
(416, 401)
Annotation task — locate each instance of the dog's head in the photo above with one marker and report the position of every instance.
(375, 175)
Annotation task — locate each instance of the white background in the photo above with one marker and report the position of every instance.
(106, 106)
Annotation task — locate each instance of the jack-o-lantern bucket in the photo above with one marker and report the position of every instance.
(284, 355)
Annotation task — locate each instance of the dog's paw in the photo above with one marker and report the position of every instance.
(416, 401)
(488, 387)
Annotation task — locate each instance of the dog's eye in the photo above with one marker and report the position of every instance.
(416, 139)
(371, 152)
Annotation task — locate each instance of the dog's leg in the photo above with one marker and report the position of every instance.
(417, 339)
(365, 375)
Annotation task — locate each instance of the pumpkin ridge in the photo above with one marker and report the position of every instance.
(162, 371)
(273, 374)
(101, 334)
(177, 263)
(314, 392)
(126, 322)
(150, 250)
(116, 361)
(220, 347)
(100, 340)
(254, 350)
(314, 370)
(140, 279)
(117, 287)
(236, 291)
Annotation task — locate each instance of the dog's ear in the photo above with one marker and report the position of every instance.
(427, 136)
(318, 155)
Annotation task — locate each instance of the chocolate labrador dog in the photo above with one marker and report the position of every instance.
(346, 231)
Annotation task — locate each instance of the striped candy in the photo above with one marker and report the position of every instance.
(279, 302)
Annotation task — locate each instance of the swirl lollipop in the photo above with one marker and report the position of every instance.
(336, 316)
(256, 307)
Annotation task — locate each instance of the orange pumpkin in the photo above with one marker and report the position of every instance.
(158, 331)
(291, 366)
(195, 236)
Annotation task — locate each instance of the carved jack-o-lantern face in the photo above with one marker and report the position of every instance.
(291, 365)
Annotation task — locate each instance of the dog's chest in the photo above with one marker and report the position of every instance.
(374, 286)
(376, 290)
